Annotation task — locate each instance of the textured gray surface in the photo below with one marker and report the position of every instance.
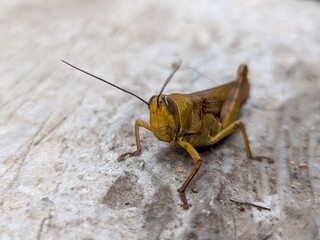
(61, 132)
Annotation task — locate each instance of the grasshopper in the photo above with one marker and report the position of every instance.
(194, 120)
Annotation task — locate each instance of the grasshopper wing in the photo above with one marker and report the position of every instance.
(213, 98)
(219, 93)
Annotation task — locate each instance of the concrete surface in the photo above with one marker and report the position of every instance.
(61, 131)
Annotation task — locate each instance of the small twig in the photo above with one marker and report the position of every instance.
(251, 204)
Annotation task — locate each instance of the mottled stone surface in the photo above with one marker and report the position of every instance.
(61, 132)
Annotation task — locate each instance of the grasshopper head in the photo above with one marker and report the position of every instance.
(164, 116)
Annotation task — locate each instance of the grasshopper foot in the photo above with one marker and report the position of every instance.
(185, 203)
(130, 154)
(260, 158)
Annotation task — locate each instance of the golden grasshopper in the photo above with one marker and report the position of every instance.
(194, 120)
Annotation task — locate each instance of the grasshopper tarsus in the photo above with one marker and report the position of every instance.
(186, 206)
(121, 158)
(130, 154)
(184, 201)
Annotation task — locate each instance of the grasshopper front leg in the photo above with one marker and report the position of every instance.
(138, 123)
(197, 161)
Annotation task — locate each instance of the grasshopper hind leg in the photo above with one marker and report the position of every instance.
(238, 94)
(236, 125)
(230, 109)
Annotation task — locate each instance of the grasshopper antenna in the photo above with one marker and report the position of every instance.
(168, 80)
(105, 81)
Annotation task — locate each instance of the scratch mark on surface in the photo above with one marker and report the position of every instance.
(21, 104)
(79, 103)
(17, 85)
(235, 227)
(25, 155)
(41, 228)
(51, 130)
(42, 224)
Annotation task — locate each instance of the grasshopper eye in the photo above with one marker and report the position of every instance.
(169, 104)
